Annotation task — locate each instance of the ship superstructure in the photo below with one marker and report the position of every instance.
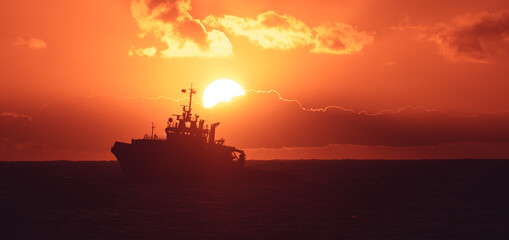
(189, 151)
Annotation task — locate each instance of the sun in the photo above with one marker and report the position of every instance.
(222, 90)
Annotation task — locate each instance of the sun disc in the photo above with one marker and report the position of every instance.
(222, 90)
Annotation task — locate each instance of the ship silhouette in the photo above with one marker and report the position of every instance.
(189, 152)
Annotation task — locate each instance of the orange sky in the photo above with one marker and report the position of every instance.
(405, 79)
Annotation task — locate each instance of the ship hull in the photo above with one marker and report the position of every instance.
(160, 160)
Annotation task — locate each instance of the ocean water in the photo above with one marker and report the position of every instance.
(347, 199)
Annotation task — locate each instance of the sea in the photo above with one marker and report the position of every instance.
(319, 199)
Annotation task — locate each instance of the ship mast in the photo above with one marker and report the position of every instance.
(188, 111)
(191, 92)
(152, 135)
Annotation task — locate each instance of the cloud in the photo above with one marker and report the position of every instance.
(269, 30)
(456, 150)
(170, 22)
(257, 120)
(81, 127)
(405, 25)
(285, 123)
(479, 37)
(34, 43)
(340, 38)
(149, 52)
(10, 115)
(275, 31)
(14, 127)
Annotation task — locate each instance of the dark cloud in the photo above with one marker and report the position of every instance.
(15, 128)
(474, 37)
(281, 123)
(456, 150)
(256, 120)
(79, 125)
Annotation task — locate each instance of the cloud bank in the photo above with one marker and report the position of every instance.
(456, 150)
(170, 22)
(285, 123)
(259, 120)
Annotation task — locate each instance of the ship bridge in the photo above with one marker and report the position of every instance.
(187, 124)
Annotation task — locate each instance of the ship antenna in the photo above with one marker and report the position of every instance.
(191, 92)
(190, 97)
(187, 113)
(153, 130)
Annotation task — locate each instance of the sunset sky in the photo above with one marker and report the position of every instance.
(323, 79)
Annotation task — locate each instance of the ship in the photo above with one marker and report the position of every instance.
(189, 152)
